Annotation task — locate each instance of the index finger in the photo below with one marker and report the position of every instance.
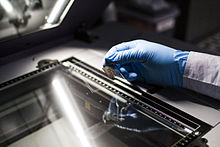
(124, 53)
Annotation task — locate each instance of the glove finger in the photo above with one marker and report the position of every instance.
(127, 56)
(127, 66)
(117, 48)
(130, 76)
(113, 54)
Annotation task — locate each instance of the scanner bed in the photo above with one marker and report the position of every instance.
(110, 112)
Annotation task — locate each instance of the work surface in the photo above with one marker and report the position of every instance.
(202, 107)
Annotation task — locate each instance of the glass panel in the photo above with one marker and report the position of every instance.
(58, 109)
(18, 17)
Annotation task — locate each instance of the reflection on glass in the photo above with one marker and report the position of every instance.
(18, 17)
(128, 118)
(68, 111)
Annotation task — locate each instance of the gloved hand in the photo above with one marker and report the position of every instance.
(148, 62)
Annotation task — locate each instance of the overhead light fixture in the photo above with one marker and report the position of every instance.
(59, 10)
(7, 6)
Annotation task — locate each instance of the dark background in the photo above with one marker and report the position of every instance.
(196, 22)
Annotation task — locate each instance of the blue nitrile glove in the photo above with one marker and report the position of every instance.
(148, 62)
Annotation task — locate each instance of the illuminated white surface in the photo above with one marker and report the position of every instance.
(7, 6)
(213, 136)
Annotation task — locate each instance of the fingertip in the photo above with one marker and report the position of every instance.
(132, 76)
(129, 76)
(104, 62)
(123, 70)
